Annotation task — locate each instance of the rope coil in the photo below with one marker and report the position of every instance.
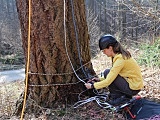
(101, 101)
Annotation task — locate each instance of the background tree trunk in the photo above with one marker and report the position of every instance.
(48, 55)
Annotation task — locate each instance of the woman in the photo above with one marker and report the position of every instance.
(124, 79)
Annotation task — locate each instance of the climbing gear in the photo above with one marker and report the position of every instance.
(106, 40)
(102, 101)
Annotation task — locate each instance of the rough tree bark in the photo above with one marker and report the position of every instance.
(48, 53)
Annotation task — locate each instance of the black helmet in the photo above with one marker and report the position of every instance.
(106, 40)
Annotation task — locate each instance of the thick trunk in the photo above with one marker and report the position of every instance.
(48, 83)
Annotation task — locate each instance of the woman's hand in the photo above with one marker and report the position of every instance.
(94, 80)
(88, 85)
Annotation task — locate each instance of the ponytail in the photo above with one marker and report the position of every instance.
(117, 48)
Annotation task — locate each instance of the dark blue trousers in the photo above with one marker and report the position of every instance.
(120, 87)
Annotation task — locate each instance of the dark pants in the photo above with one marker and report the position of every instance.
(120, 87)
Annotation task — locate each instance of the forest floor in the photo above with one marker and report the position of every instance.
(10, 92)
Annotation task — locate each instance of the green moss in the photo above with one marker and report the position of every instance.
(150, 56)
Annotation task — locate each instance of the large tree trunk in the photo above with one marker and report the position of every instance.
(49, 86)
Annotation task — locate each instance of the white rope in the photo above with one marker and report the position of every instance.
(57, 74)
(66, 45)
(101, 101)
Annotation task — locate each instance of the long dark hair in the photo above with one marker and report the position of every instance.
(118, 49)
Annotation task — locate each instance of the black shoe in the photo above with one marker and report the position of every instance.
(114, 96)
(118, 101)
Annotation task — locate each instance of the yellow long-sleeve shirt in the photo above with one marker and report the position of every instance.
(127, 68)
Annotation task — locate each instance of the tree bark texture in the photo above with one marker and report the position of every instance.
(48, 53)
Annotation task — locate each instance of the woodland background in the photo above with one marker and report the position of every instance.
(132, 22)
(135, 23)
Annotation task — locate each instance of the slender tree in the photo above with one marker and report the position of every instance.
(52, 81)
